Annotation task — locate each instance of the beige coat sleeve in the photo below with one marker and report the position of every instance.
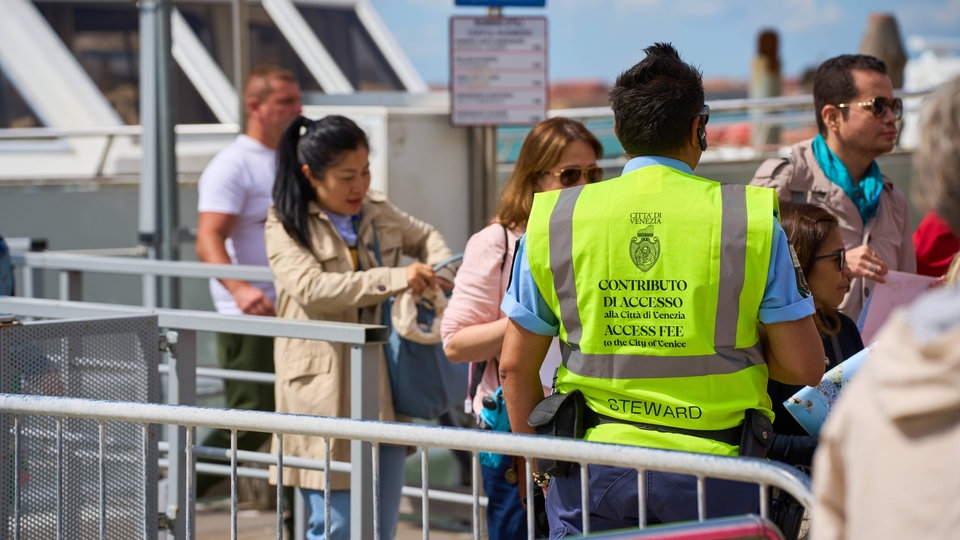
(321, 279)
(420, 240)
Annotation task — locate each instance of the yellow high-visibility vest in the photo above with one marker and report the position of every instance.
(656, 278)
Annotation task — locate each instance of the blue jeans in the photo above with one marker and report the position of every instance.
(392, 459)
(506, 518)
(614, 501)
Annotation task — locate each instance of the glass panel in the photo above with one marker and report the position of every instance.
(14, 111)
(268, 46)
(213, 27)
(105, 39)
(351, 47)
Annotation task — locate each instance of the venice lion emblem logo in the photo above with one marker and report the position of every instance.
(645, 249)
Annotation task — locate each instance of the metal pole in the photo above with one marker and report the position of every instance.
(182, 390)
(482, 141)
(169, 200)
(364, 405)
(241, 56)
(159, 221)
(483, 175)
(148, 143)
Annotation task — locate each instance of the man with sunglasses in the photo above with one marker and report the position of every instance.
(857, 116)
(655, 282)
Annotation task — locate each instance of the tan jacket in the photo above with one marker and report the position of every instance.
(886, 466)
(320, 283)
(889, 233)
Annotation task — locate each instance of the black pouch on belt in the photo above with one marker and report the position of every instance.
(757, 434)
(559, 415)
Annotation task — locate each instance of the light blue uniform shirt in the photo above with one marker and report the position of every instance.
(781, 300)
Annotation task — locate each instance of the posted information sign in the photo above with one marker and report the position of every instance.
(498, 70)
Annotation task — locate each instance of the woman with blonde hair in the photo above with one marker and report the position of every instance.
(557, 153)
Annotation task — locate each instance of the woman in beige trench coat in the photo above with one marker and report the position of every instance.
(320, 237)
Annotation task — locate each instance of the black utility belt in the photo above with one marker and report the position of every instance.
(729, 436)
(567, 415)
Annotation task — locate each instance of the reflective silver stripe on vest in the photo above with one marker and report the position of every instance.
(733, 254)
(727, 359)
(612, 366)
(561, 261)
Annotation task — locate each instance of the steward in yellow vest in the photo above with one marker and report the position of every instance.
(656, 283)
(658, 311)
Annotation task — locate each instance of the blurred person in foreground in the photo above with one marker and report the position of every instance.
(655, 283)
(857, 116)
(815, 236)
(557, 153)
(336, 249)
(886, 464)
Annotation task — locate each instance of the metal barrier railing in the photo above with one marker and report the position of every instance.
(72, 266)
(369, 435)
(187, 323)
(365, 342)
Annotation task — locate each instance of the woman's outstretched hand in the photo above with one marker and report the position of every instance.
(420, 276)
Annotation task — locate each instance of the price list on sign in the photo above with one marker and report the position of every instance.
(498, 70)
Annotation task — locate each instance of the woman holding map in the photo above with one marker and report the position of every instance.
(815, 236)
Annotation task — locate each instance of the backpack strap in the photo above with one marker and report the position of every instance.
(781, 172)
(506, 247)
(477, 368)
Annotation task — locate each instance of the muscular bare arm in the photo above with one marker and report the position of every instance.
(520, 360)
(794, 352)
(476, 342)
(213, 228)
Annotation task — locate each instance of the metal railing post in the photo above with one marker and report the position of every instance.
(182, 388)
(32, 282)
(71, 285)
(364, 405)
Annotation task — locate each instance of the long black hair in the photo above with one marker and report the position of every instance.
(322, 144)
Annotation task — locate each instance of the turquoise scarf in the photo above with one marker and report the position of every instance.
(866, 195)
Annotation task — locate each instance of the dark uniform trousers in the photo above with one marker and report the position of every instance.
(614, 501)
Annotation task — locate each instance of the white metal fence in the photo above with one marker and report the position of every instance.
(181, 368)
(369, 435)
(182, 372)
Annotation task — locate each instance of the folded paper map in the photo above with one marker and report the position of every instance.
(900, 289)
(811, 404)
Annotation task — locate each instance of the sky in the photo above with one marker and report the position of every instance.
(598, 39)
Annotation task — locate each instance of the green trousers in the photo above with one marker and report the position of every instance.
(246, 353)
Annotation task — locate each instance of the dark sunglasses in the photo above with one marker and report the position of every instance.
(571, 175)
(841, 257)
(879, 106)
